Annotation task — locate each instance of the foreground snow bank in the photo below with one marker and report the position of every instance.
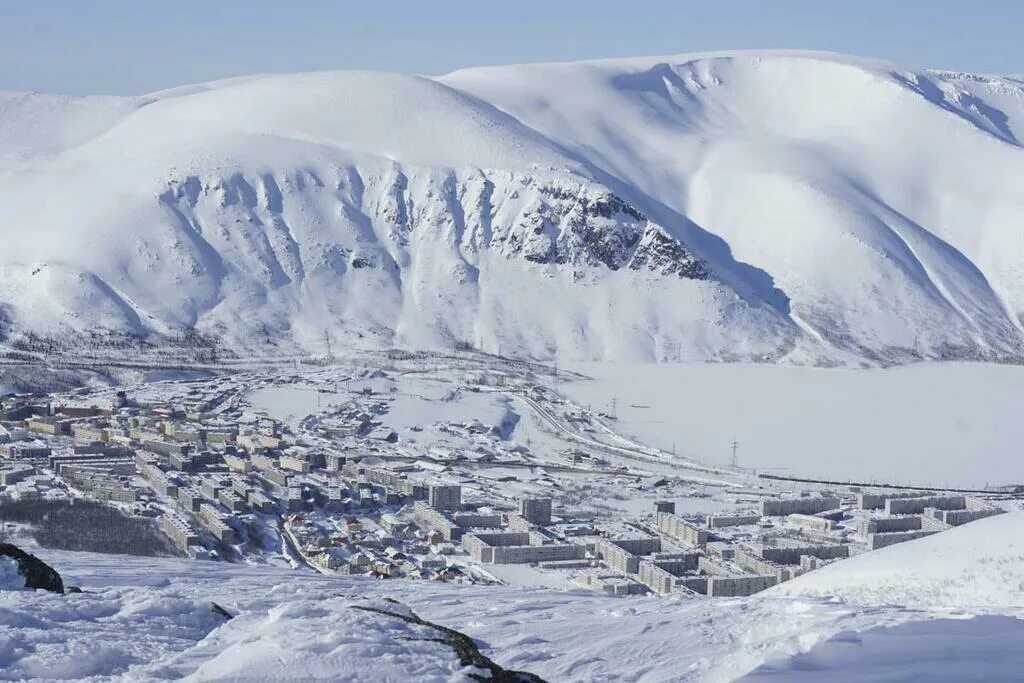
(334, 639)
(945, 650)
(149, 619)
(10, 578)
(978, 567)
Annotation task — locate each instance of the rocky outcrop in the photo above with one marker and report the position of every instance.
(663, 254)
(586, 225)
(38, 574)
(221, 612)
(463, 646)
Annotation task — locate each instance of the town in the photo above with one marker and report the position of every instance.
(461, 469)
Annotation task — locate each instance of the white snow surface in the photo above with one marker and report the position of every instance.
(149, 619)
(10, 578)
(979, 650)
(927, 424)
(806, 207)
(969, 568)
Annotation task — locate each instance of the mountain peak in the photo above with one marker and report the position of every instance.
(794, 205)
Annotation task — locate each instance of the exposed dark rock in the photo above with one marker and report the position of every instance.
(588, 228)
(38, 574)
(661, 253)
(73, 589)
(220, 611)
(466, 650)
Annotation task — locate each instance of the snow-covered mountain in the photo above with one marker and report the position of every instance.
(802, 207)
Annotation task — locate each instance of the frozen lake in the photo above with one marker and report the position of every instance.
(954, 424)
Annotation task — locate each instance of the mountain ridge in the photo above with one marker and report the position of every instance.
(799, 207)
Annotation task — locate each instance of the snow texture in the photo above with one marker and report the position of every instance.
(10, 578)
(768, 206)
(928, 424)
(949, 605)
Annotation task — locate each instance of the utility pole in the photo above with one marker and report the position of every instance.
(615, 402)
(556, 378)
(327, 339)
(735, 445)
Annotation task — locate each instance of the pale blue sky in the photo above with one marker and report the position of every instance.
(135, 46)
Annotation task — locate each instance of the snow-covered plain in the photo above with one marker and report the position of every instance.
(413, 402)
(804, 207)
(150, 619)
(943, 425)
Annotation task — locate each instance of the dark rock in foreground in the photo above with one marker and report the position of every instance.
(37, 573)
(464, 647)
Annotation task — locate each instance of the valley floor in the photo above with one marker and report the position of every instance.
(935, 424)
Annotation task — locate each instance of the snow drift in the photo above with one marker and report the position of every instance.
(152, 619)
(978, 567)
(769, 206)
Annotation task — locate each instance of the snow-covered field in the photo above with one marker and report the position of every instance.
(144, 619)
(413, 402)
(949, 424)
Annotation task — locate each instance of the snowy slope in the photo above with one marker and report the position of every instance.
(879, 198)
(150, 619)
(961, 610)
(768, 206)
(975, 567)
